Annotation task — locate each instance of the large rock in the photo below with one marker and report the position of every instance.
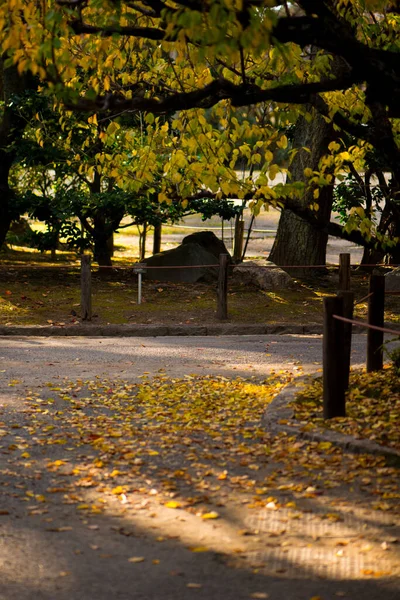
(187, 255)
(392, 281)
(209, 241)
(251, 272)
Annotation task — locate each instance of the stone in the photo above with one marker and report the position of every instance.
(209, 241)
(250, 272)
(189, 254)
(392, 281)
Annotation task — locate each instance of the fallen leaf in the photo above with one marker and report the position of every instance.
(173, 504)
(136, 559)
(210, 515)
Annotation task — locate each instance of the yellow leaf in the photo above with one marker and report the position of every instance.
(194, 585)
(118, 490)
(173, 504)
(199, 549)
(210, 515)
(324, 445)
(283, 142)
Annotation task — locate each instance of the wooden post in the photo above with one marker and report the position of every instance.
(222, 289)
(157, 238)
(344, 271)
(334, 392)
(348, 307)
(239, 236)
(376, 316)
(86, 288)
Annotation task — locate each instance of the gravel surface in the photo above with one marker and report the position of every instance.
(45, 359)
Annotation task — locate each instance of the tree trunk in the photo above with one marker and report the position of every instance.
(102, 251)
(5, 195)
(157, 238)
(101, 236)
(297, 242)
(142, 242)
(12, 126)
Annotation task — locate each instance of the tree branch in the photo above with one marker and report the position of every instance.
(151, 33)
(211, 94)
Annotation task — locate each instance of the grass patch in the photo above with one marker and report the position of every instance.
(34, 290)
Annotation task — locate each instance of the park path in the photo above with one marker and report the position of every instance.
(38, 359)
(99, 502)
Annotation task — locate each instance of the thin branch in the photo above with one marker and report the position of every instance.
(143, 11)
(243, 66)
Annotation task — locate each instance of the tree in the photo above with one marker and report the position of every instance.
(227, 53)
(298, 242)
(67, 169)
(14, 113)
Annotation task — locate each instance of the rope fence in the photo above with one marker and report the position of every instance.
(272, 266)
(366, 325)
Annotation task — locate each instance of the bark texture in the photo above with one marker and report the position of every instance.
(298, 242)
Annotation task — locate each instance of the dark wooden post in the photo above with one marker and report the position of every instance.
(376, 316)
(222, 289)
(86, 288)
(348, 307)
(157, 238)
(334, 392)
(239, 236)
(344, 271)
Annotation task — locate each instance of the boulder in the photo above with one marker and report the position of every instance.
(392, 281)
(250, 272)
(209, 241)
(20, 228)
(188, 255)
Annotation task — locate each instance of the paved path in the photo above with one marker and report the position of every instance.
(329, 530)
(43, 359)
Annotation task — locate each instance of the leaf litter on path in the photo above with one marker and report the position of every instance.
(196, 445)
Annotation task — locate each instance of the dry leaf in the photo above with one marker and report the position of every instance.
(210, 515)
(173, 504)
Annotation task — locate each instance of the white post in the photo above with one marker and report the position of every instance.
(139, 289)
(139, 269)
